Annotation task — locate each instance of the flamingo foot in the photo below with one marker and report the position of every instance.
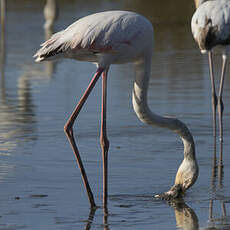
(175, 192)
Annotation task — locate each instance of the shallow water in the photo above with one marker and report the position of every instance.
(41, 187)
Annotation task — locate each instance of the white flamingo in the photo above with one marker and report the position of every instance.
(211, 27)
(117, 37)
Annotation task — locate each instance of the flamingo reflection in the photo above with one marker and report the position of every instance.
(186, 218)
(91, 218)
(17, 117)
(217, 222)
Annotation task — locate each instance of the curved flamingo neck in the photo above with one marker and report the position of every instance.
(140, 105)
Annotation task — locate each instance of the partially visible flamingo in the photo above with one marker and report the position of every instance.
(117, 37)
(210, 28)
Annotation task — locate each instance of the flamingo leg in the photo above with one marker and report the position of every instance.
(103, 139)
(214, 97)
(68, 128)
(220, 101)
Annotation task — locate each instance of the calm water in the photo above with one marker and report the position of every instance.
(41, 187)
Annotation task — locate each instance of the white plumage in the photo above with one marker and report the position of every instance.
(110, 37)
(211, 24)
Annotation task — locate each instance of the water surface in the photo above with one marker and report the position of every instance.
(41, 185)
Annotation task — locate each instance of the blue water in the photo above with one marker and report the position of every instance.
(41, 186)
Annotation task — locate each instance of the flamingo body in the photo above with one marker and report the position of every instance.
(210, 28)
(211, 24)
(116, 37)
(111, 37)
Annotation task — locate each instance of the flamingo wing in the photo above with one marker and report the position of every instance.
(101, 32)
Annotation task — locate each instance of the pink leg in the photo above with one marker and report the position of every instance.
(220, 111)
(214, 97)
(68, 128)
(220, 101)
(104, 140)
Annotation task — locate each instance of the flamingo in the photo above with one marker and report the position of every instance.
(117, 37)
(210, 26)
